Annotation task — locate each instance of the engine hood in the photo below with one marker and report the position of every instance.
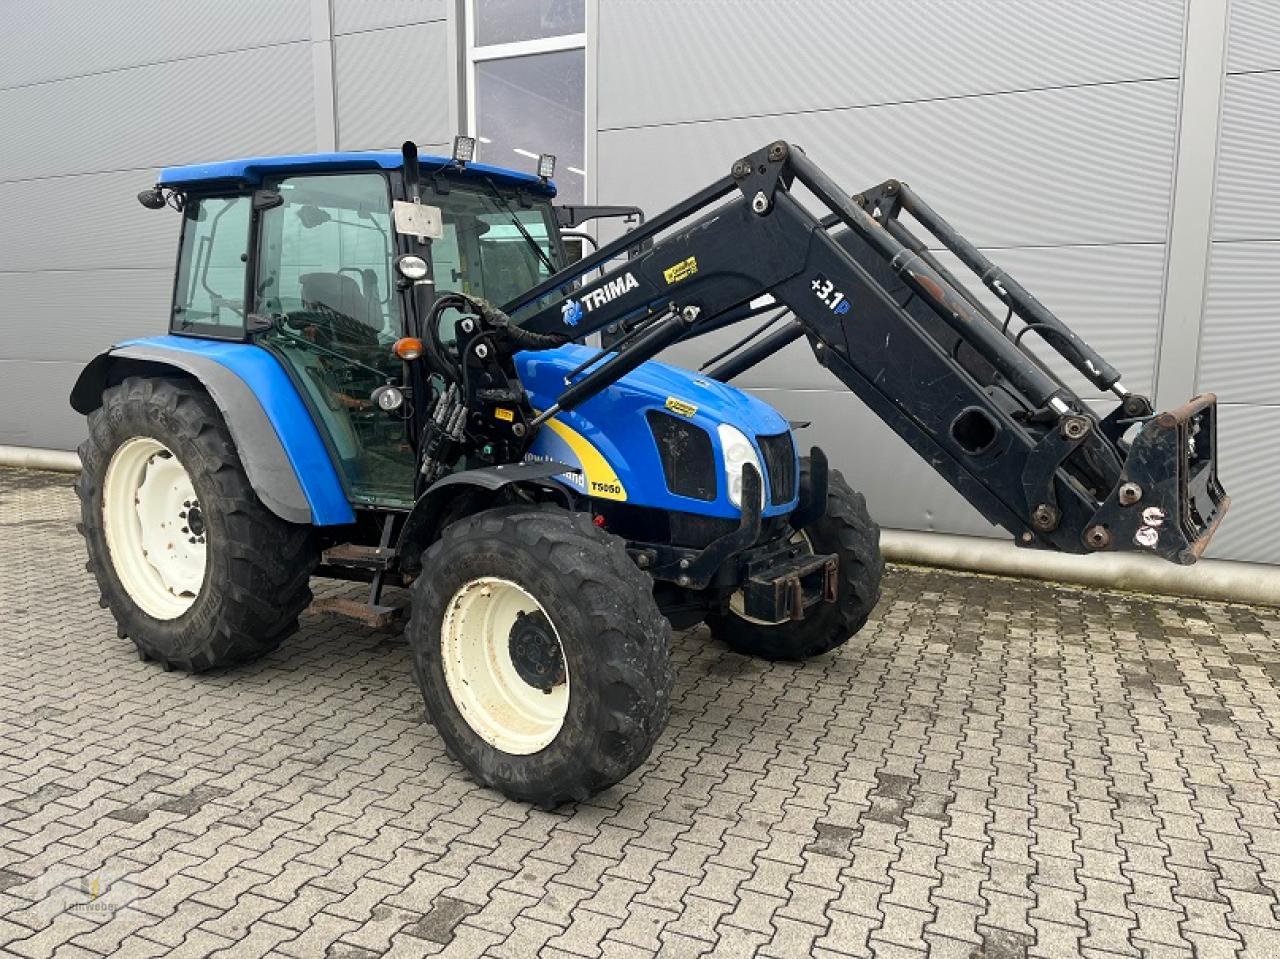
(609, 438)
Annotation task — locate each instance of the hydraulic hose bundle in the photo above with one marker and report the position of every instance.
(477, 373)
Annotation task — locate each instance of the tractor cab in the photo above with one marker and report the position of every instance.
(302, 253)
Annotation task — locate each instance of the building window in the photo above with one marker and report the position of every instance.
(526, 80)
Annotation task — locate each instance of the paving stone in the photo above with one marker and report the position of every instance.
(992, 767)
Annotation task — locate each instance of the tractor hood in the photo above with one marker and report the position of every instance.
(613, 437)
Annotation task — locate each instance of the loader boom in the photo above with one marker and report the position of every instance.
(916, 345)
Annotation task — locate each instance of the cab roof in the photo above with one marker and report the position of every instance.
(251, 171)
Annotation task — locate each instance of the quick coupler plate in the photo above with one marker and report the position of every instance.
(1169, 501)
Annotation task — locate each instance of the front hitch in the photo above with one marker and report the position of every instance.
(1168, 501)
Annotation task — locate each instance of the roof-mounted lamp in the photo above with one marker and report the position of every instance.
(464, 150)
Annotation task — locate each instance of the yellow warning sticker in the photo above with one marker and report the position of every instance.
(504, 414)
(680, 407)
(681, 271)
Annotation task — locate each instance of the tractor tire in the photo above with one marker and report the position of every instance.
(194, 568)
(540, 653)
(848, 531)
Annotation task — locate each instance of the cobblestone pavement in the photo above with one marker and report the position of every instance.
(992, 768)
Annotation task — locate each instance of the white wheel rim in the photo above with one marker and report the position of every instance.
(476, 647)
(738, 602)
(154, 529)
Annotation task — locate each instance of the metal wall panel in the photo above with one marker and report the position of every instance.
(74, 222)
(74, 315)
(33, 404)
(373, 114)
(356, 16)
(1045, 132)
(1254, 42)
(1247, 202)
(1240, 339)
(1249, 454)
(184, 111)
(1240, 348)
(51, 39)
(726, 58)
(1090, 165)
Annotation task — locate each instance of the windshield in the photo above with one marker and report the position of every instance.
(485, 252)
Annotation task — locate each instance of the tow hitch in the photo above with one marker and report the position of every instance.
(780, 590)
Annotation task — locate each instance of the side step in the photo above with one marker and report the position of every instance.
(351, 556)
(377, 560)
(373, 615)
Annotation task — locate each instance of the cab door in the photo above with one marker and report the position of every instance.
(325, 278)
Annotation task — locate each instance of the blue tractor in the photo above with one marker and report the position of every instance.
(390, 369)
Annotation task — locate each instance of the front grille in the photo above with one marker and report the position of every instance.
(779, 466)
(688, 460)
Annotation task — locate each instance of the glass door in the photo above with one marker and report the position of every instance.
(326, 278)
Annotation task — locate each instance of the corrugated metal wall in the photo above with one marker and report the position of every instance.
(95, 98)
(1048, 132)
(1045, 135)
(1240, 336)
(391, 73)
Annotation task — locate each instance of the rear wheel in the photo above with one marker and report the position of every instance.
(196, 571)
(846, 530)
(541, 655)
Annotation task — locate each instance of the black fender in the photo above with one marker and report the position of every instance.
(432, 511)
(266, 462)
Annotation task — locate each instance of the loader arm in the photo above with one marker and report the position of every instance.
(916, 345)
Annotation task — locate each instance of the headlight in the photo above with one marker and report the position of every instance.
(412, 267)
(738, 451)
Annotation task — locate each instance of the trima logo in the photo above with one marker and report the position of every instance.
(571, 312)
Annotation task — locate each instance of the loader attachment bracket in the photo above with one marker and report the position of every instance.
(1168, 501)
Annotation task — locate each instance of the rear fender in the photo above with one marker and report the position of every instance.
(282, 451)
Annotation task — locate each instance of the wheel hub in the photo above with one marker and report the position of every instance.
(535, 652)
(504, 664)
(195, 522)
(154, 528)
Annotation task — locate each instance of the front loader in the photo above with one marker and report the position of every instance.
(377, 369)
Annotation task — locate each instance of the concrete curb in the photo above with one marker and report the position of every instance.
(28, 457)
(1214, 579)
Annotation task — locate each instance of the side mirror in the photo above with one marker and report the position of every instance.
(152, 199)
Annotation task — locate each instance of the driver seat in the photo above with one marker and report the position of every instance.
(340, 294)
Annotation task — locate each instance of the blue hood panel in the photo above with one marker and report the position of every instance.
(613, 424)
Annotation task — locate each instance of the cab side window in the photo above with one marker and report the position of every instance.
(210, 286)
(325, 261)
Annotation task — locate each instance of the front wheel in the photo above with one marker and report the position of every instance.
(846, 530)
(540, 653)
